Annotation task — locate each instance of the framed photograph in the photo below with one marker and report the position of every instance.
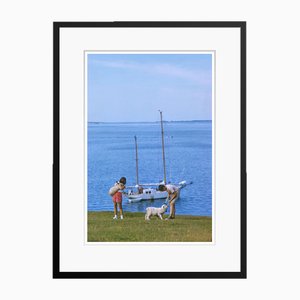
(149, 167)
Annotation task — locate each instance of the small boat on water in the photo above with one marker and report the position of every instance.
(149, 191)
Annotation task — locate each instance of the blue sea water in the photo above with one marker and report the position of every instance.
(188, 149)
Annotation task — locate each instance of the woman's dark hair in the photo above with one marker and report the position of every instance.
(122, 180)
(161, 187)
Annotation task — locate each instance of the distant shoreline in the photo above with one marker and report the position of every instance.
(155, 122)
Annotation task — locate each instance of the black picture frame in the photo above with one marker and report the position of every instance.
(56, 154)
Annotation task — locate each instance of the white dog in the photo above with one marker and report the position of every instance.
(155, 211)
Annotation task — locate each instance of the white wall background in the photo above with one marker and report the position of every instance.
(26, 148)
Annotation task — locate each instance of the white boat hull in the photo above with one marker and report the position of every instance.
(148, 194)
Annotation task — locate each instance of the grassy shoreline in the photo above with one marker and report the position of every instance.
(134, 228)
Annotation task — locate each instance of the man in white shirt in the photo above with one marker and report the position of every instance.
(173, 195)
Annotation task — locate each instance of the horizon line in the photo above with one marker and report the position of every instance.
(149, 121)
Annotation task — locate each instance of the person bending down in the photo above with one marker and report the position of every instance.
(172, 195)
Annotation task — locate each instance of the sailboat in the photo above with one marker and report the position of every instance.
(149, 191)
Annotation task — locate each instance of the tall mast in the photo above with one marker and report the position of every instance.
(163, 147)
(136, 161)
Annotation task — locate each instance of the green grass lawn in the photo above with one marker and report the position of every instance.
(134, 228)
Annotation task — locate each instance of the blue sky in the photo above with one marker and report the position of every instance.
(133, 87)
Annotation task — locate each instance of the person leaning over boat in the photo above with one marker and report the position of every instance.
(173, 193)
(117, 197)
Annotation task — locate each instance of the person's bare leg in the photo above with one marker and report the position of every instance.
(173, 204)
(121, 209)
(174, 209)
(171, 210)
(115, 210)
